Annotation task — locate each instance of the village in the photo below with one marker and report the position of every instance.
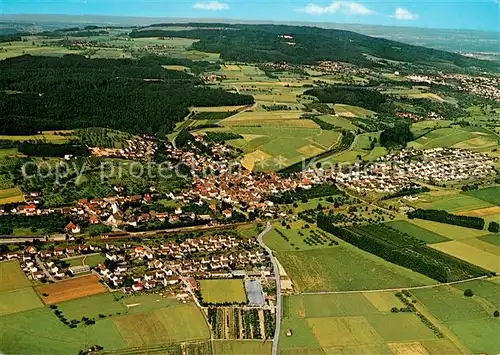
(173, 264)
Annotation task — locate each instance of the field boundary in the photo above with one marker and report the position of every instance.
(395, 289)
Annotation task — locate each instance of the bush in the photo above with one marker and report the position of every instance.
(468, 293)
(493, 227)
(496, 314)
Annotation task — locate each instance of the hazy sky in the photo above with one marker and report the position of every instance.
(461, 14)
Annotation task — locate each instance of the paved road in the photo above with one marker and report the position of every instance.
(277, 330)
(41, 265)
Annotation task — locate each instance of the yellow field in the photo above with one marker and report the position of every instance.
(231, 67)
(482, 245)
(470, 254)
(250, 159)
(346, 331)
(449, 230)
(259, 116)
(482, 212)
(217, 108)
(413, 348)
(476, 143)
(48, 136)
(177, 67)
(13, 195)
(383, 301)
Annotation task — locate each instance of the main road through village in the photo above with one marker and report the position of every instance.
(277, 330)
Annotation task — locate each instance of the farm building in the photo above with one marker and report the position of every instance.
(79, 269)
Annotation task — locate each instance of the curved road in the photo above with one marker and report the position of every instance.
(277, 329)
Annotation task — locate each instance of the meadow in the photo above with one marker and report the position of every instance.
(357, 323)
(223, 347)
(490, 195)
(12, 277)
(164, 326)
(417, 232)
(90, 260)
(222, 291)
(469, 318)
(345, 268)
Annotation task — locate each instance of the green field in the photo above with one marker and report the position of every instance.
(493, 238)
(164, 326)
(19, 300)
(470, 318)
(11, 276)
(348, 324)
(90, 260)
(221, 291)
(417, 232)
(452, 203)
(225, 347)
(489, 194)
(345, 268)
(39, 331)
(448, 230)
(275, 241)
(91, 306)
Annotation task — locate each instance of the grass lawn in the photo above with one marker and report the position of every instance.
(448, 230)
(276, 242)
(19, 300)
(400, 327)
(347, 330)
(11, 276)
(479, 335)
(345, 268)
(449, 304)
(489, 194)
(456, 203)
(92, 306)
(471, 254)
(39, 331)
(417, 232)
(221, 291)
(493, 238)
(163, 326)
(90, 260)
(224, 347)
(302, 336)
(147, 302)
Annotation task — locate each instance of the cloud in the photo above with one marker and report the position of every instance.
(403, 14)
(345, 7)
(211, 6)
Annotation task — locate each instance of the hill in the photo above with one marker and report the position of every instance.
(304, 45)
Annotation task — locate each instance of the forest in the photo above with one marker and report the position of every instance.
(349, 95)
(76, 92)
(397, 136)
(263, 43)
(41, 149)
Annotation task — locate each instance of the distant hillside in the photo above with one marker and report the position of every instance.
(305, 45)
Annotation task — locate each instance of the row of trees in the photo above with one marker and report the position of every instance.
(401, 249)
(449, 218)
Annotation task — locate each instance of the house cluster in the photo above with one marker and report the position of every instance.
(139, 148)
(431, 116)
(402, 169)
(49, 264)
(485, 86)
(215, 256)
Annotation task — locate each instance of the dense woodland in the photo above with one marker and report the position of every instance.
(263, 43)
(397, 136)
(75, 92)
(41, 149)
(350, 95)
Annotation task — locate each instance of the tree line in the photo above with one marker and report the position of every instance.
(401, 249)
(449, 218)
